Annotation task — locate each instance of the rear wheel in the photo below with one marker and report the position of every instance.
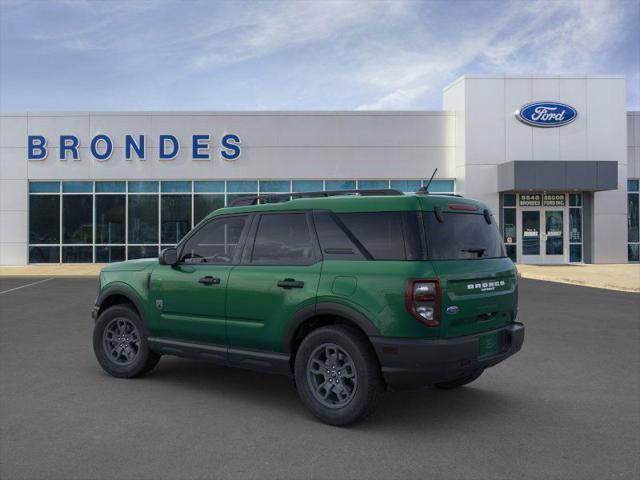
(337, 375)
(120, 343)
(459, 382)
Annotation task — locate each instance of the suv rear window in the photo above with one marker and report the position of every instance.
(462, 236)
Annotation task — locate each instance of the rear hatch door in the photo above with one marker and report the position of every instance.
(477, 295)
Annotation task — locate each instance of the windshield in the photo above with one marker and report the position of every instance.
(462, 236)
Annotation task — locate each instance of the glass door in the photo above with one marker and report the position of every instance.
(531, 236)
(554, 236)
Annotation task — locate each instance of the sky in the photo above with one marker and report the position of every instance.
(297, 55)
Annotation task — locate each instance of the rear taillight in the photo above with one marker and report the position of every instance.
(422, 300)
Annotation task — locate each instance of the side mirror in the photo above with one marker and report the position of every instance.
(168, 256)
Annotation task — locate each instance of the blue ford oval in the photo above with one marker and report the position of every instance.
(546, 114)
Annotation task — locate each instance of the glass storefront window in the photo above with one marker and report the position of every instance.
(441, 186)
(273, 186)
(307, 185)
(242, 186)
(575, 225)
(77, 219)
(208, 187)
(509, 199)
(510, 226)
(575, 253)
(633, 232)
(143, 187)
(77, 254)
(175, 217)
(373, 184)
(111, 187)
(406, 185)
(110, 218)
(143, 219)
(632, 218)
(77, 187)
(575, 200)
(44, 187)
(44, 254)
(142, 251)
(109, 253)
(44, 219)
(340, 185)
(203, 205)
(175, 187)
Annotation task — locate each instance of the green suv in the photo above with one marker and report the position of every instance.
(350, 293)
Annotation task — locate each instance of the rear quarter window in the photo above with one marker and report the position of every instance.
(462, 236)
(386, 235)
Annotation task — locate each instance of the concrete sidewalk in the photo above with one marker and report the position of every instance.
(622, 277)
(53, 270)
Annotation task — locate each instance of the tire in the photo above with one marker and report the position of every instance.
(459, 382)
(342, 360)
(132, 357)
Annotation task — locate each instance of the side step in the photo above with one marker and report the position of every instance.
(260, 360)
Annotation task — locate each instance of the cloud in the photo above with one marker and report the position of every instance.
(403, 98)
(331, 54)
(532, 37)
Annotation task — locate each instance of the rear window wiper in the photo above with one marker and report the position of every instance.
(479, 251)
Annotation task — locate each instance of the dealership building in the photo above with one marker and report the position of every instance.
(555, 157)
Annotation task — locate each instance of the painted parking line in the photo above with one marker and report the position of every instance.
(27, 285)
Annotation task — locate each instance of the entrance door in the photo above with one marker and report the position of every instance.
(553, 236)
(542, 236)
(531, 237)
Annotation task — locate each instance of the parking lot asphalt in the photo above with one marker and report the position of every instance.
(567, 406)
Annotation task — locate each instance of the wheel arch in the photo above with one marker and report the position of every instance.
(319, 315)
(118, 295)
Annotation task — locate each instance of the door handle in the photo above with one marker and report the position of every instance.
(209, 280)
(290, 283)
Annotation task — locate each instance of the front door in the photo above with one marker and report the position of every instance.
(189, 297)
(278, 275)
(542, 236)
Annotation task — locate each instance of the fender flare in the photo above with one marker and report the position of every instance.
(327, 308)
(126, 292)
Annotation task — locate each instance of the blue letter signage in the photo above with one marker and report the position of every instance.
(102, 147)
(546, 114)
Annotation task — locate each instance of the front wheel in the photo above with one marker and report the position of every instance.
(120, 343)
(337, 375)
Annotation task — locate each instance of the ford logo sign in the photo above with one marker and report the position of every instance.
(546, 114)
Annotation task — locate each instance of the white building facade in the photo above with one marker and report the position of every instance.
(108, 186)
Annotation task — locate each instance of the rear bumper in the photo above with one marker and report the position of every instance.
(410, 363)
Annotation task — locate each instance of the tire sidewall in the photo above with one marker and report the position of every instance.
(367, 372)
(144, 356)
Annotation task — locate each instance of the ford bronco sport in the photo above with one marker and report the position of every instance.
(351, 294)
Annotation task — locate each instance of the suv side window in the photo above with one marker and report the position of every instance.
(216, 242)
(381, 233)
(283, 239)
(334, 241)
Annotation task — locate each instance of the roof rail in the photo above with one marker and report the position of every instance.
(255, 199)
(424, 191)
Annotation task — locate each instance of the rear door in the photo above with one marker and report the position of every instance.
(278, 275)
(477, 280)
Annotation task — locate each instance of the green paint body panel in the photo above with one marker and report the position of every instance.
(247, 309)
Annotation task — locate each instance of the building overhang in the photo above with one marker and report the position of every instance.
(561, 176)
